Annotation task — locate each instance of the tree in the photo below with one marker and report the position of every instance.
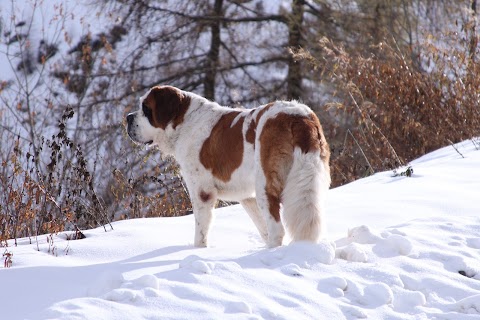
(294, 76)
(64, 103)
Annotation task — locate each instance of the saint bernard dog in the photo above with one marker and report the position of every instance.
(273, 159)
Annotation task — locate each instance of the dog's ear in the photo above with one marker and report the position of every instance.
(168, 105)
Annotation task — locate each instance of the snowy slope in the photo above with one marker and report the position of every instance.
(398, 248)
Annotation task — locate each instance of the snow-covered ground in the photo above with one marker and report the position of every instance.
(398, 248)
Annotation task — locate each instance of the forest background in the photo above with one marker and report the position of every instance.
(390, 80)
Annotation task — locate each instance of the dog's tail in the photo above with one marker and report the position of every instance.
(304, 195)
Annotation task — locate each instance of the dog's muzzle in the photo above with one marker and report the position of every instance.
(131, 131)
(130, 119)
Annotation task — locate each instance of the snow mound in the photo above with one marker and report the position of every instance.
(405, 248)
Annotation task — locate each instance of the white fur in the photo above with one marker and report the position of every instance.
(305, 188)
(304, 197)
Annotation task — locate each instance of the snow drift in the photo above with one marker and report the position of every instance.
(398, 248)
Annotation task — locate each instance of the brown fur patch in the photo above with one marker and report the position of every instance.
(250, 135)
(279, 137)
(274, 204)
(222, 152)
(264, 109)
(252, 127)
(205, 196)
(168, 105)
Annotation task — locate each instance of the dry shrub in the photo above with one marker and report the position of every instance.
(50, 187)
(160, 193)
(399, 110)
(34, 199)
(20, 199)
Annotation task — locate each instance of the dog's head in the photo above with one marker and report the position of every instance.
(162, 108)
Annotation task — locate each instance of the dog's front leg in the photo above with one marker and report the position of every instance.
(203, 204)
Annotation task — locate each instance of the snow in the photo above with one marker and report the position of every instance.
(398, 248)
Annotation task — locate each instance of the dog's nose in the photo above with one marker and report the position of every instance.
(130, 117)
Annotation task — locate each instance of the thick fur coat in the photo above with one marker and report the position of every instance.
(273, 159)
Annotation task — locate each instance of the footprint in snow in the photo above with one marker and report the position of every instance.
(393, 231)
(406, 300)
(363, 234)
(146, 281)
(353, 312)
(291, 269)
(376, 294)
(121, 295)
(195, 263)
(392, 246)
(333, 286)
(354, 252)
(470, 305)
(473, 243)
(238, 307)
(463, 263)
(372, 295)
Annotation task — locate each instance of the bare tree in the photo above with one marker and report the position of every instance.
(61, 115)
(214, 51)
(295, 24)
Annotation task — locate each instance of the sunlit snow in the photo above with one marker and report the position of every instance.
(398, 248)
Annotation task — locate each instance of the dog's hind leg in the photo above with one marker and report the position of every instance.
(269, 205)
(250, 205)
(272, 170)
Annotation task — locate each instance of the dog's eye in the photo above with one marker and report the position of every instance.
(147, 111)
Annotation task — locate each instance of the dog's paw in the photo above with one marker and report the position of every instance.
(200, 243)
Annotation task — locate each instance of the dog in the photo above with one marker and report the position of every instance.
(273, 159)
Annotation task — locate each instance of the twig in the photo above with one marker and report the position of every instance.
(370, 121)
(476, 143)
(454, 147)
(361, 150)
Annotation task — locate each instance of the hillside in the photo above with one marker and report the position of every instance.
(398, 248)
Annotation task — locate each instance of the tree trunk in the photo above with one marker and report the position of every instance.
(294, 76)
(212, 57)
(473, 37)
